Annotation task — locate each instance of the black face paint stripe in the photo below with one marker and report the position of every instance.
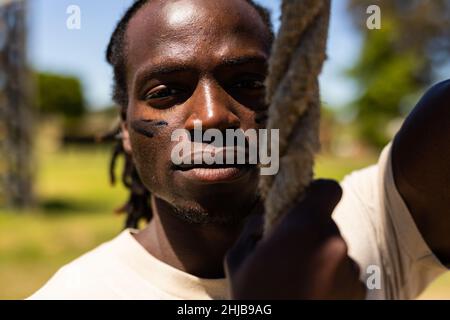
(161, 123)
(148, 127)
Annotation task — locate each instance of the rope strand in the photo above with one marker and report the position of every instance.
(293, 95)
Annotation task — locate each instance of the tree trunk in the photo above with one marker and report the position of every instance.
(15, 108)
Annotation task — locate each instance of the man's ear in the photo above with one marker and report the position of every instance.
(125, 137)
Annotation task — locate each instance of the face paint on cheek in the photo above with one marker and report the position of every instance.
(148, 128)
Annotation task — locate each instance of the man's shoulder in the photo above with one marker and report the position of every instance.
(360, 211)
(86, 273)
(361, 177)
(359, 189)
(363, 188)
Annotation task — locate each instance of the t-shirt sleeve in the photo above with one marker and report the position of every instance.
(395, 260)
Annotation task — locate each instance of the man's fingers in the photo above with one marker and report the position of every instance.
(339, 271)
(322, 196)
(318, 202)
(310, 218)
(251, 234)
(317, 205)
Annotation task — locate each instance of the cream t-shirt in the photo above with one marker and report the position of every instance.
(122, 269)
(382, 237)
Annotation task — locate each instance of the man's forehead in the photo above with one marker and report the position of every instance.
(182, 13)
(166, 18)
(186, 27)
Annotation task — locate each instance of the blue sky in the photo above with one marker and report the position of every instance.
(53, 47)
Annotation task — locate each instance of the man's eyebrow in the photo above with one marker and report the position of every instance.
(155, 70)
(167, 69)
(244, 60)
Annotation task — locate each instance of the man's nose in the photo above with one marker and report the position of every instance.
(211, 107)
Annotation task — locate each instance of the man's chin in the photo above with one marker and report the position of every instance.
(223, 216)
(214, 211)
(221, 203)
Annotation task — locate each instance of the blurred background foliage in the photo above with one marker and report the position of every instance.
(59, 95)
(398, 61)
(60, 100)
(74, 210)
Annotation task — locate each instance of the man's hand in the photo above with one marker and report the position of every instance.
(303, 257)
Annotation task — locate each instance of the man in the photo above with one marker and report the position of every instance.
(178, 63)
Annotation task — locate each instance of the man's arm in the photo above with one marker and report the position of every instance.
(421, 165)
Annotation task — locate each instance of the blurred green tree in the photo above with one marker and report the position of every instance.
(59, 95)
(397, 61)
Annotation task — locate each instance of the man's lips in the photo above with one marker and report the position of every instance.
(225, 154)
(214, 173)
(227, 167)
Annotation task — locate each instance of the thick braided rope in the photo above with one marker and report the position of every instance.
(293, 95)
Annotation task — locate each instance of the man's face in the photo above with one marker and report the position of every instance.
(192, 61)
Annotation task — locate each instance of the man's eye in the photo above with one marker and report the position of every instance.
(249, 84)
(161, 93)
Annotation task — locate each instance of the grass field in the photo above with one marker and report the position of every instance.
(75, 214)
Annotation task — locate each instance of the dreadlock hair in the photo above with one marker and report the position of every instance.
(138, 206)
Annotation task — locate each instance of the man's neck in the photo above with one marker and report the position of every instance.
(197, 249)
